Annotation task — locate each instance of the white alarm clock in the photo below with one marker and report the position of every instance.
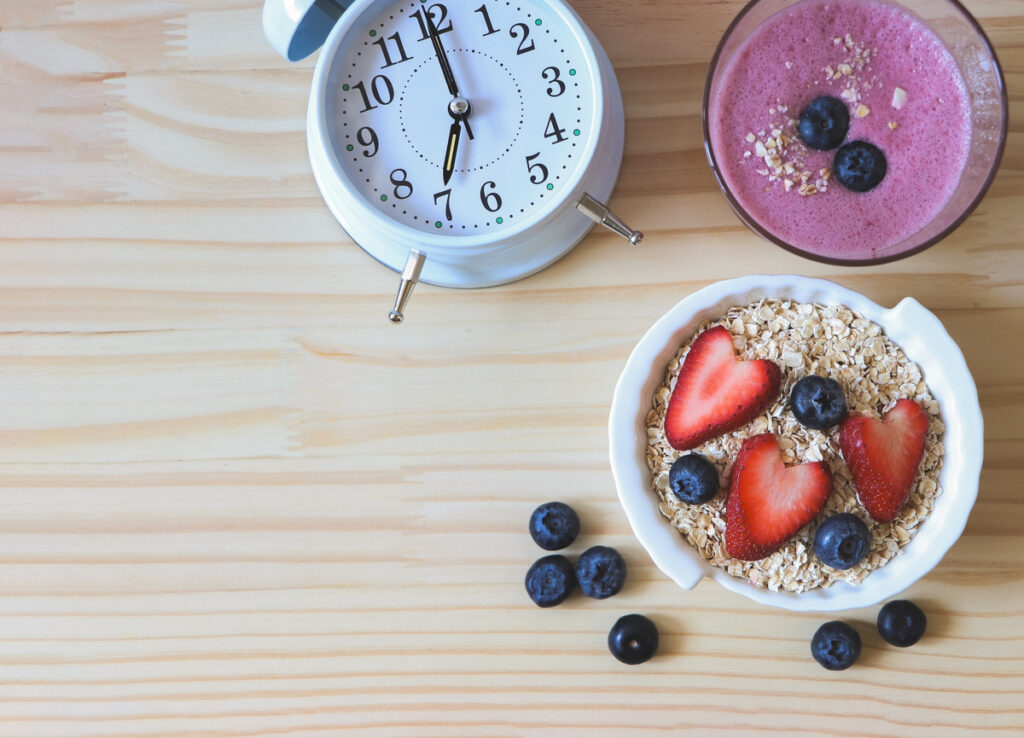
(465, 143)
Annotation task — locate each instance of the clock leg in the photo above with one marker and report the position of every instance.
(600, 214)
(410, 276)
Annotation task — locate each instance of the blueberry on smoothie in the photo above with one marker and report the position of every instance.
(824, 123)
(860, 166)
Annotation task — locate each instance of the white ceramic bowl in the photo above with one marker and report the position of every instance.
(911, 326)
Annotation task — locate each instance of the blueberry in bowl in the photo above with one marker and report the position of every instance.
(818, 402)
(842, 541)
(693, 479)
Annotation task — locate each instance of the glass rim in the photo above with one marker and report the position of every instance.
(753, 225)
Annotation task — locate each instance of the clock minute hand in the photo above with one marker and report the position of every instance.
(459, 107)
(442, 57)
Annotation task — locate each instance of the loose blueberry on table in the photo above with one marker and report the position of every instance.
(600, 571)
(824, 123)
(550, 580)
(693, 478)
(554, 525)
(633, 639)
(818, 402)
(842, 541)
(901, 623)
(836, 645)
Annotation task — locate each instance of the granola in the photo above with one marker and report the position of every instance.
(803, 339)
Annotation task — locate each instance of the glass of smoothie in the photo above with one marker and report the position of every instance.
(854, 131)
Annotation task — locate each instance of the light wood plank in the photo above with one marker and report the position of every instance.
(235, 501)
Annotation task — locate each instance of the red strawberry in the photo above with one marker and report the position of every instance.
(769, 502)
(738, 542)
(715, 393)
(883, 456)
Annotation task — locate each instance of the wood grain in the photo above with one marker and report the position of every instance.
(235, 501)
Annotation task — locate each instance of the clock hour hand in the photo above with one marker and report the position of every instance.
(450, 151)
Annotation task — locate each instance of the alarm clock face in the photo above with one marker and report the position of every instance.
(486, 162)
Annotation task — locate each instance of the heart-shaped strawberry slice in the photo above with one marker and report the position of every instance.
(768, 501)
(715, 393)
(883, 456)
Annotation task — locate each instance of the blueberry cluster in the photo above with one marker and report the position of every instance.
(841, 541)
(836, 645)
(600, 572)
(859, 165)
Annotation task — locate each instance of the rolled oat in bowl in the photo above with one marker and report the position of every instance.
(803, 339)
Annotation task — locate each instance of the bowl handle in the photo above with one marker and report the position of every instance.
(688, 574)
(908, 310)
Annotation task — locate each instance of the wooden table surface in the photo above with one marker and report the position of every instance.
(235, 500)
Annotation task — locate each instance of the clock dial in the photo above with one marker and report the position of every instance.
(506, 149)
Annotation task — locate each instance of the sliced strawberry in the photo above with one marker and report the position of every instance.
(738, 542)
(883, 456)
(715, 393)
(768, 501)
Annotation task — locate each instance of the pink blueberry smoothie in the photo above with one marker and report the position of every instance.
(904, 93)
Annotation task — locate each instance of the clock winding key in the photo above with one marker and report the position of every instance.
(600, 214)
(410, 276)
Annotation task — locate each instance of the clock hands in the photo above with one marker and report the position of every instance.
(458, 108)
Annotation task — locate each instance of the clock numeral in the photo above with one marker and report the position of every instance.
(539, 177)
(442, 15)
(375, 88)
(383, 44)
(551, 130)
(557, 85)
(447, 195)
(482, 10)
(490, 200)
(398, 179)
(523, 47)
(371, 140)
